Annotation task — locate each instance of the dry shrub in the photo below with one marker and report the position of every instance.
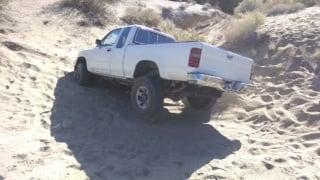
(186, 19)
(243, 29)
(282, 8)
(142, 16)
(95, 11)
(316, 55)
(248, 6)
(270, 7)
(180, 34)
(150, 18)
(225, 5)
(309, 2)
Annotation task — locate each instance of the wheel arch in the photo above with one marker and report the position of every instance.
(144, 67)
(80, 59)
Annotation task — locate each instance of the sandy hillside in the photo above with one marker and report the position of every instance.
(52, 128)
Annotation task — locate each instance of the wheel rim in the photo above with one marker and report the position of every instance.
(142, 97)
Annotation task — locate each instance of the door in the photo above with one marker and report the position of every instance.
(118, 53)
(103, 52)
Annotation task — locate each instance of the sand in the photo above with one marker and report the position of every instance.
(52, 128)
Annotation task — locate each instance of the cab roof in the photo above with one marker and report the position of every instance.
(150, 29)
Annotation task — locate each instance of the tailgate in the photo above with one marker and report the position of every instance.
(225, 64)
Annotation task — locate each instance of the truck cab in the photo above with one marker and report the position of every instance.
(107, 57)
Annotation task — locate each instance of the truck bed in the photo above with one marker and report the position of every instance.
(225, 64)
(172, 60)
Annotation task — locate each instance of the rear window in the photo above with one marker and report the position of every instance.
(164, 39)
(142, 37)
(153, 38)
(147, 37)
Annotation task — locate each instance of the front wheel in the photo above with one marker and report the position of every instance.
(81, 73)
(147, 98)
(199, 103)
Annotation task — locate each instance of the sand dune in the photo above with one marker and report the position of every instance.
(52, 128)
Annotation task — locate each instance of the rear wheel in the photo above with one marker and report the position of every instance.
(199, 103)
(147, 98)
(82, 75)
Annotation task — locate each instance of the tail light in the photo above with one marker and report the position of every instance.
(194, 58)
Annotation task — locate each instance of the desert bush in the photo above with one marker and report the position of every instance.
(316, 55)
(184, 19)
(248, 6)
(270, 7)
(283, 8)
(142, 16)
(95, 10)
(228, 5)
(180, 34)
(225, 5)
(309, 2)
(150, 18)
(243, 29)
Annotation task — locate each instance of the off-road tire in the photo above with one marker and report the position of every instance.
(199, 103)
(82, 75)
(154, 108)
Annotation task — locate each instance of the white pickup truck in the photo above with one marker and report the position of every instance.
(156, 66)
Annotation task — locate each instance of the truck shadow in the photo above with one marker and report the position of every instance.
(110, 142)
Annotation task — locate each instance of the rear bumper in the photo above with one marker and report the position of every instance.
(217, 82)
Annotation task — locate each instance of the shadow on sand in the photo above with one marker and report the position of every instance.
(110, 142)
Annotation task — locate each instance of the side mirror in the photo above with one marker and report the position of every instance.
(98, 42)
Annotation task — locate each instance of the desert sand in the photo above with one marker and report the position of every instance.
(52, 128)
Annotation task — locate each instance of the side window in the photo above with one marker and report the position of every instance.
(153, 38)
(123, 37)
(111, 38)
(142, 37)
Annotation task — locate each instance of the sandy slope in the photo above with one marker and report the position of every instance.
(51, 128)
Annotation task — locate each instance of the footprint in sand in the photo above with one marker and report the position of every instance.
(30, 66)
(314, 108)
(286, 123)
(318, 151)
(311, 136)
(20, 156)
(44, 148)
(266, 98)
(280, 160)
(297, 102)
(285, 91)
(308, 145)
(268, 165)
(12, 46)
(45, 124)
(254, 151)
(262, 119)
